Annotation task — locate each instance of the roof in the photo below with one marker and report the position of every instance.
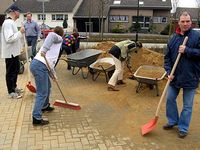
(36, 6)
(193, 12)
(94, 11)
(147, 4)
(83, 11)
(5, 4)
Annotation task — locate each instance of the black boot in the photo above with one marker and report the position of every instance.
(120, 82)
(40, 122)
(68, 67)
(49, 108)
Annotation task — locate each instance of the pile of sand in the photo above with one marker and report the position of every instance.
(149, 72)
(143, 57)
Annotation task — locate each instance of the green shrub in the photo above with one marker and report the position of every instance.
(152, 28)
(166, 29)
(134, 27)
(119, 28)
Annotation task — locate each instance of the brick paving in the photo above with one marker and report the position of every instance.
(107, 120)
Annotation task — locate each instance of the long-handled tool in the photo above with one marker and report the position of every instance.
(28, 85)
(152, 123)
(64, 104)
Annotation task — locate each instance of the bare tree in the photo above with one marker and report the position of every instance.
(172, 17)
(198, 5)
(89, 16)
(174, 5)
(102, 5)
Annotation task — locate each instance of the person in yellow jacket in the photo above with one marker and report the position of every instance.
(120, 53)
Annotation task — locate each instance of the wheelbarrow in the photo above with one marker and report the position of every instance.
(149, 75)
(82, 59)
(103, 65)
(23, 60)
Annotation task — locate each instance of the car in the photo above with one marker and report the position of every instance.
(197, 29)
(45, 29)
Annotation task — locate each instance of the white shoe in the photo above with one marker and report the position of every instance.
(15, 95)
(19, 91)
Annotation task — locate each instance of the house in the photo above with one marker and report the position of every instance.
(50, 12)
(4, 4)
(90, 15)
(194, 12)
(98, 15)
(122, 13)
(150, 13)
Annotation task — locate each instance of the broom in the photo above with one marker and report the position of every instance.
(64, 104)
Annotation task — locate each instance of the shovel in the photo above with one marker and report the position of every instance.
(152, 123)
(28, 85)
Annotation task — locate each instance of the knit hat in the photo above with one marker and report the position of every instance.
(13, 8)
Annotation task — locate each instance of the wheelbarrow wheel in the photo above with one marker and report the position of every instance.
(21, 69)
(151, 86)
(92, 71)
(110, 73)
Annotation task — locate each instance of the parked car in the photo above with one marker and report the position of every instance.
(45, 29)
(197, 29)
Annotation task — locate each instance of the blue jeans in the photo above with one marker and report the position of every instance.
(32, 41)
(43, 86)
(183, 120)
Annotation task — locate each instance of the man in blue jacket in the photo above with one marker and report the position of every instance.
(186, 75)
(32, 32)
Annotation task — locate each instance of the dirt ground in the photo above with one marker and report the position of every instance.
(141, 108)
(118, 116)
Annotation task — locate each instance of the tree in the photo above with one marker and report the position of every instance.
(198, 5)
(102, 5)
(174, 6)
(65, 24)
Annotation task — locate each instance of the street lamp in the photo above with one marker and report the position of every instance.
(136, 36)
(43, 25)
(137, 20)
(43, 1)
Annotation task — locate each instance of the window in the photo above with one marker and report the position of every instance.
(59, 17)
(117, 2)
(24, 16)
(144, 21)
(160, 20)
(141, 3)
(41, 16)
(118, 18)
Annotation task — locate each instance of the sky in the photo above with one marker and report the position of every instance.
(185, 3)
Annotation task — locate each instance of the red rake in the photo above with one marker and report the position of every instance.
(64, 104)
(31, 87)
(148, 127)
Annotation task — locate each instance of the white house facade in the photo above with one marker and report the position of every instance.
(51, 19)
(54, 13)
(95, 15)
